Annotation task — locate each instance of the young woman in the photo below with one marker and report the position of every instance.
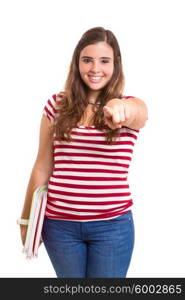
(87, 135)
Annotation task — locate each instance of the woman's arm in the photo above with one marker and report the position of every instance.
(130, 112)
(41, 171)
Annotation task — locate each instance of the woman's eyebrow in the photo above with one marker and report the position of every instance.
(104, 57)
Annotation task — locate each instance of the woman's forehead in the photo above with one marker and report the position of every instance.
(100, 49)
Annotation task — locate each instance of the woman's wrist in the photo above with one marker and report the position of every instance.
(22, 221)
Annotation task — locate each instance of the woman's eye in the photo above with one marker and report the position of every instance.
(86, 60)
(105, 61)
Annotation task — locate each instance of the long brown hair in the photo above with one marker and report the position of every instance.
(74, 97)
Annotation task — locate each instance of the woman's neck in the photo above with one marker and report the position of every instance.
(92, 96)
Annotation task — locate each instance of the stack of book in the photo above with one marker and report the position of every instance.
(36, 219)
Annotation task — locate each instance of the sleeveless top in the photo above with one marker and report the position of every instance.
(89, 178)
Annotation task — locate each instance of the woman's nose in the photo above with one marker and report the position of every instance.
(95, 67)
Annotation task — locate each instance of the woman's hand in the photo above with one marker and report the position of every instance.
(23, 229)
(117, 112)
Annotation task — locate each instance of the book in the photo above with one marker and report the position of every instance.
(36, 219)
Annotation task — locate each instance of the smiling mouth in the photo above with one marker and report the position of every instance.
(95, 79)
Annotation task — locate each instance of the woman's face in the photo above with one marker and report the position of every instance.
(96, 66)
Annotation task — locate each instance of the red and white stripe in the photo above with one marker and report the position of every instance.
(89, 179)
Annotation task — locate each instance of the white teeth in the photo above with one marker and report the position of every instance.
(95, 77)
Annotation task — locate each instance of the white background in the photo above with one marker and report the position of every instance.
(37, 41)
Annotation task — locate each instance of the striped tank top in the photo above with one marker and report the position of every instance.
(89, 178)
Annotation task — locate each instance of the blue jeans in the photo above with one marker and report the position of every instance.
(90, 249)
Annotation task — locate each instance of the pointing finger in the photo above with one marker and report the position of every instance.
(116, 117)
(107, 111)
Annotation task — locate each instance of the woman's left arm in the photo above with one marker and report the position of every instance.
(132, 113)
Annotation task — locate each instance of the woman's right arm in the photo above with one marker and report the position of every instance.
(41, 171)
